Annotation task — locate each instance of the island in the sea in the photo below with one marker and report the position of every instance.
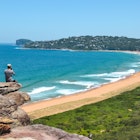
(85, 43)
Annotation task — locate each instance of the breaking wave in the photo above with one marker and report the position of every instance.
(41, 89)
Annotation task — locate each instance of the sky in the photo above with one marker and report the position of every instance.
(44, 20)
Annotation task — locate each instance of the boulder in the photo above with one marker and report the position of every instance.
(10, 109)
(4, 125)
(20, 118)
(18, 97)
(7, 106)
(7, 87)
(41, 132)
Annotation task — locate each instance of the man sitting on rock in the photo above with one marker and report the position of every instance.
(9, 73)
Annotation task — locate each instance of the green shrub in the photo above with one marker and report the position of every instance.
(117, 118)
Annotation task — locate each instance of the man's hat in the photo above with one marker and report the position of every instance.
(9, 65)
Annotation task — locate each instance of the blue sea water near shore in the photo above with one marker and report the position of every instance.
(46, 74)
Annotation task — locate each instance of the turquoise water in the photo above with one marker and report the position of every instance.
(46, 74)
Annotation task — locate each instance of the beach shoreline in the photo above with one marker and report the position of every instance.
(61, 104)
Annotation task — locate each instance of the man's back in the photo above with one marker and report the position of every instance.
(8, 75)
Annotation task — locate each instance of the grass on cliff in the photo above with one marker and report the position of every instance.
(117, 118)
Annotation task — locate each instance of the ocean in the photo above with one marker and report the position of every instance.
(46, 74)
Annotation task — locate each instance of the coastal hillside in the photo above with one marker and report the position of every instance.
(88, 43)
(22, 41)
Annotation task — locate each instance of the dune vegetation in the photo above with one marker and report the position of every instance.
(117, 118)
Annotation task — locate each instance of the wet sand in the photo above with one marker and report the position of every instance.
(57, 105)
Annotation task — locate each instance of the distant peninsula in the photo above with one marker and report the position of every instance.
(88, 43)
(22, 42)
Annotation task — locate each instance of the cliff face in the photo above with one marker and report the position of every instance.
(15, 123)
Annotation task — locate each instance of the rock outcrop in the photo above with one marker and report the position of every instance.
(41, 132)
(9, 87)
(5, 125)
(11, 115)
(18, 97)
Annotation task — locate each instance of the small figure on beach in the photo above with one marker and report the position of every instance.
(9, 73)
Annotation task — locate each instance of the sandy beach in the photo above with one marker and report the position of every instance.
(57, 105)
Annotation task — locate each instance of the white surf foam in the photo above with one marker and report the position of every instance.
(88, 84)
(112, 74)
(41, 89)
(113, 79)
(94, 75)
(122, 73)
(21, 48)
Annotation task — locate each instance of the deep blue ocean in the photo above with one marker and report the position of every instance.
(46, 74)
